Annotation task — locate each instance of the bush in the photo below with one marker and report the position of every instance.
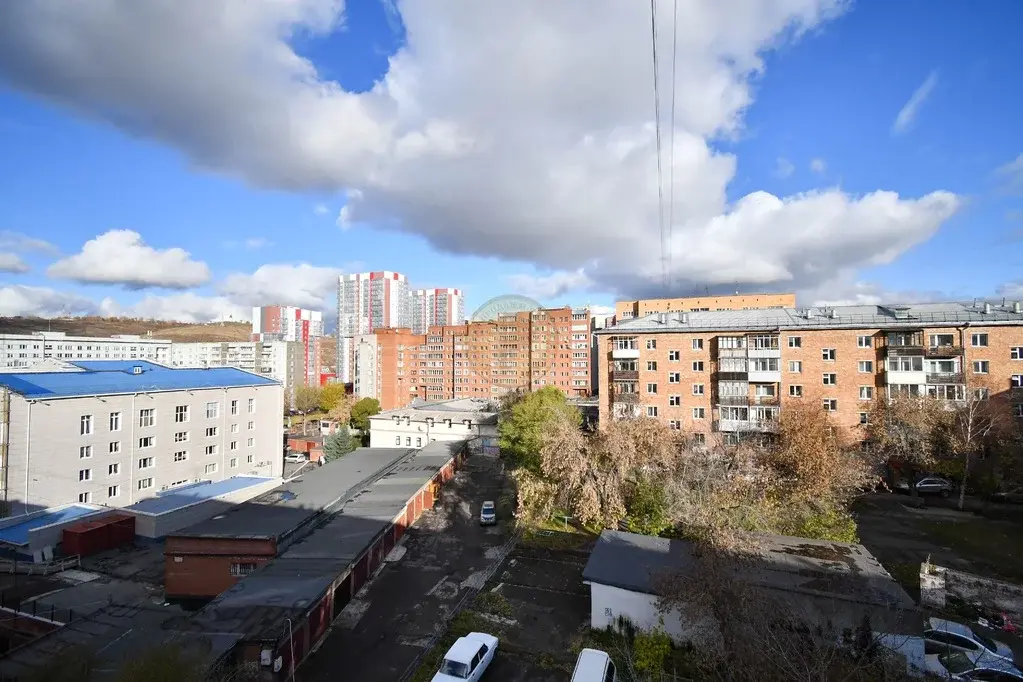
(647, 509)
(828, 523)
(650, 649)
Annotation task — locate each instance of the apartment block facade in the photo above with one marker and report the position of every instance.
(485, 359)
(282, 361)
(627, 310)
(732, 373)
(21, 351)
(288, 323)
(368, 301)
(435, 308)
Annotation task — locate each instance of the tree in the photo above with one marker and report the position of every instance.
(307, 399)
(362, 411)
(902, 428)
(523, 422)
(338, 444)
(331, 395)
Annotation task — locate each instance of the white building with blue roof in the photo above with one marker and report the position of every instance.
(114, 432)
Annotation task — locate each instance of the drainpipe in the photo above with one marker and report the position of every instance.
(28, 453)
(131, 453)
(291, 643)
(223, 435)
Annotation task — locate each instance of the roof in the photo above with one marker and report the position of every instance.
(176, 498)
(836, 569)
(510, 303)
(279, 512)
(891, 316)
(479, 411)
(17, 533)
(463, 650)
(112, 377)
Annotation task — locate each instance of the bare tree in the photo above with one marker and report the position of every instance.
(902, 428)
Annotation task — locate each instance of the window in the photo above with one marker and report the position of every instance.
(250, 442)
(210, 468)
(978, 340)
(234, 428)
(651, 365)
(212, 410)
(145, 483)
(147, 417)
(674, 355)
(181, 414)
(1017, 409)
(211, 431)
(982, 393)
(651, 388)
(1016, 353)
(252, 405)
(251, 426)
(830, 379)
(248, 458)
(241, 570)
(675, 425)
(180, 455)
(145, 463)
(697, 389)
(113, 491)
(796, 391)
(674, 400)
(980, 366)
(795, 366)
(181, 437)
(211, 449)
(830, 404)
(115, 421)
(651, 410)
(85, 497)
(114, 447)
(699, 438)
(865, 366)
(113, 469)
(85, 452)
(697, 344)
(866, 392)
(864, 342)
(864, 418)
(86, 425)
(233, 445)
(795, 342)
(1016, 381)
(233, 463)
(828, 354)
(85, 474)
(397, 440)
(698, 365)
(234, 407)
(419, 442)
(674, 377)
(699, 413)
(146, 442)
(651, 344)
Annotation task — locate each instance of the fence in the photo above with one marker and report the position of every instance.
(42, 568)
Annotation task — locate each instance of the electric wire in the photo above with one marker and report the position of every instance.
(657, 142)
(671, 142)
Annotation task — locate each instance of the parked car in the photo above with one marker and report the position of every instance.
(943, 636)
(929, 485)
(957, 665)
(468, 658)
(594, 665)
(294, 457)
(488, 514)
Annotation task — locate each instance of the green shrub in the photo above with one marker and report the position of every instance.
(829, 523)
(650, 649)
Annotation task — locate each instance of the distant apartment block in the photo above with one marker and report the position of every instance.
(625, 310)
(287, 323)
(733, 372)
(115, 432)
(19, 351)
(282, 361)
(436, 307)
(365, 302)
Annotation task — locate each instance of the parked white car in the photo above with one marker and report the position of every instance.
(594, 665)
(944, 636)
(972, 667)
(468, 658)
(488, 514)
(294, 457)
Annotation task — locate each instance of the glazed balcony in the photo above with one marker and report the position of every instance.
(943, 352)
(945, 378)
(624, 375)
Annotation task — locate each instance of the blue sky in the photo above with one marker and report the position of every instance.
(499, 170)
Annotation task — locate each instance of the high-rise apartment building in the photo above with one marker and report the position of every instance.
(480, 359)
(368, 301)
(625, 310)
(733, 372)
(436, 307)
(287, 323)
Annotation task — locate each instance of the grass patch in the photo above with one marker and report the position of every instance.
(996, 546)
(555, 534)
(493, 603)
(906, 574)
(469, 620)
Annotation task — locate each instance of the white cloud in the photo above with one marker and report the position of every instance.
(28, 301)
(783, 167)
(121, 257)
(251, 243)
(184, 307)
(11, 262)
(819, 166)
(517, 129)
(1012, 290)
(1011, 175)
(21, 243)
(546, 287)
(911, 109)
(321, 209)
(301, 285)
(846, 290)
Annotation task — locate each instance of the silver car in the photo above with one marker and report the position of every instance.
(929, 485)
(942, 636)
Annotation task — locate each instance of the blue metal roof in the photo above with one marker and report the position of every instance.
(17, 534)
(171, 500)
(110, 377)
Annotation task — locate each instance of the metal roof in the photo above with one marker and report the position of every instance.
(634, 562)
(113, 377)
(909, 316)
(17, 533)
(279, 512)
(176, 498)
(479, 411)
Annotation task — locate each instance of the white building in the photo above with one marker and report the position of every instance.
(115, 432)
(281, 361)
(421, 423)
(368, 301)
(434, 307)
(366, 372)
(23, 350)
(288, 323)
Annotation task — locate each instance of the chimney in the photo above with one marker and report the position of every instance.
(987, 308)
(1015, 307)
(662, 318)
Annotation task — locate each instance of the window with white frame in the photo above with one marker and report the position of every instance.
(651, 410)
(865, 366)
(1016, 381)
(1016, 353)
(830, 379)
(211, 449)
(699, 438)
(981, 366)
(85, 474)
(864, 417)
(1017, 409)
(250, 442)
(86, 425)
(234, 407)
(113, 491)
(145, 483)
(146, 463)
(795, 366)
(85, 452)
(828, 354)
(251, 426)
(113, 469)
(864, 341)
(830, 404)
(145, 442)
(698, 365)
(674, 400)
(212, 431)
(699, 413)
(252, 405)
(866, 392)
(697, 389)
(181, 414)
(651, 388)
(674, 355)
(697, 344)
(115, 421)
(210, 468)
(85, 498)
(147, 417)
(233, 462)
(181, 437)
(675, 425)
(651, 344)
(397, 440)
(180, 455)
(114, 447)
(978, 340)
(212, 410)
(795, 342)
(674, 377)
(233, 445)
(795, 390)
(234, 428)
(982, 393)
(651, 365)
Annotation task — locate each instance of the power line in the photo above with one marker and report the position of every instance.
(657, 128)
(671, 141)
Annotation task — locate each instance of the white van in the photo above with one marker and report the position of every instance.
(594, 665)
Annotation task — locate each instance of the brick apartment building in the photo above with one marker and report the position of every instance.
(625, 310)
(288, 323)
(480, 359)
(731, 372)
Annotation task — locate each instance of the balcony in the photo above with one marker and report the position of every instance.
(745, 426)
(943, 352)
(730, 375)
(741, 400)
(945, 378)
(625, 375)
(764, 400)
(901, 377)
(731, 352)
(764, 353)
(904, 349)
(625, 353)
(770, 376)
(626, 398)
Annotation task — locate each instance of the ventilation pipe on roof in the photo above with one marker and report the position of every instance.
(987, 308)
(662, 318)
(1016, 308)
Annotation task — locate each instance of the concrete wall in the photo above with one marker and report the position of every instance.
(938, 583)
(45, 440)
(608, 603)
